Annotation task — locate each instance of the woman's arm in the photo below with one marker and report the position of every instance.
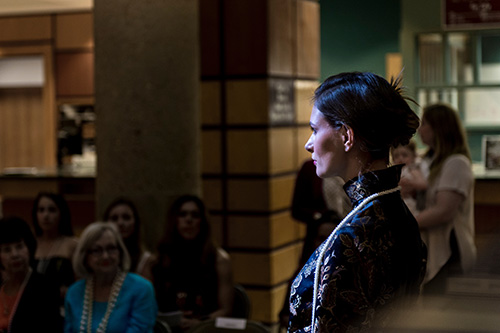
(444, 210)
(144, 308)
(225, 284)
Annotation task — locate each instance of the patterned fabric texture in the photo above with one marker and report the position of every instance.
(373, 259)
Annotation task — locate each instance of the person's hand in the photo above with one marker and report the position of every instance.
(187, 322)
(407, 187)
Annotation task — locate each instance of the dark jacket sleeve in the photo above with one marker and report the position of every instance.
(38, 309)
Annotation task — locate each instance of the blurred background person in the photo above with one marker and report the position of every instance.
(316, 199)
(191, 273)
(413, 178)
(108, 298)
(447, 222)
(56, 241)
(29, 300)
(124, 214)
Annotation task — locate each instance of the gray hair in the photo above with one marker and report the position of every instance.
(88, 237)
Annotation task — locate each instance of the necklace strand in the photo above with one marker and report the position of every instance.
(88, 300)
(329, 239)
(18, 298)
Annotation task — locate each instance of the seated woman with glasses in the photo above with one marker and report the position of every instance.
(108, 298)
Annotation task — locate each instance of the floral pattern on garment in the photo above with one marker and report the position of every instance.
(371, 260)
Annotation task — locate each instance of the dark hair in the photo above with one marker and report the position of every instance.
(15, 229)
(449, 135)
(202, 247)
(375, 109)
(183, 261)
(133, 243)
(65, 228)
(172, 234)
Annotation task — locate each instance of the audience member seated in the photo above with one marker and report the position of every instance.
(413, 178)
(56, 243)
(447, 222)
(108, 298)
(124, 214)
(191, 274)
(29, 300)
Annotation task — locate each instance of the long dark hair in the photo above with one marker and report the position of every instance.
(65, 228)
(174, 250)
(173, 240)
(133, 243)
(375, 109)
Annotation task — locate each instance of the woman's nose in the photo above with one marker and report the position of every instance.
(309, 145)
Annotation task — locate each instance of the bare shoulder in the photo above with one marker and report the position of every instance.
(67, 246)
(222, 255)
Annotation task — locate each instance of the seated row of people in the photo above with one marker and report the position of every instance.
(189, 275)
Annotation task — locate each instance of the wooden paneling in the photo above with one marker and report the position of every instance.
(75, 74)
(29, 28)
(303, 94)
(281, 150)
(28, 123)
(212, 193)
(247, 102)
(247, 151)
(266, 304)
(211, 151)
(261, 195)
(245, 33)
(303, 134)
(210, 102)
(280, 37)
(21, 119)
(308, 39)
(265, 268)
(210, 46)
(263, 232)
(74, 31)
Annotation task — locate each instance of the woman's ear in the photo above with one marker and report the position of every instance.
(348, 137)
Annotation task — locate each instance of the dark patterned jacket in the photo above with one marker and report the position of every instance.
(372, 259)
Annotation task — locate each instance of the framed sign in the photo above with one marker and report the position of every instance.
(491, 152)
(470, 14)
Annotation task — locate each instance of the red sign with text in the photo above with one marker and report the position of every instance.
(471, 14)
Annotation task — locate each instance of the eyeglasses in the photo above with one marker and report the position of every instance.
(99, 251)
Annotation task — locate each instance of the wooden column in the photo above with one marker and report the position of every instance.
(260, 64)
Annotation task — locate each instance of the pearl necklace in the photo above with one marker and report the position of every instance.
(88, 301)
(330, 238)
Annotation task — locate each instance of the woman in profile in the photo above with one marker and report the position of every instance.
(375, 256)
(192, 274)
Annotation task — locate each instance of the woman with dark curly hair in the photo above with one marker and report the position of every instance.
(191, 273)
(29, 300)
(375, 255)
